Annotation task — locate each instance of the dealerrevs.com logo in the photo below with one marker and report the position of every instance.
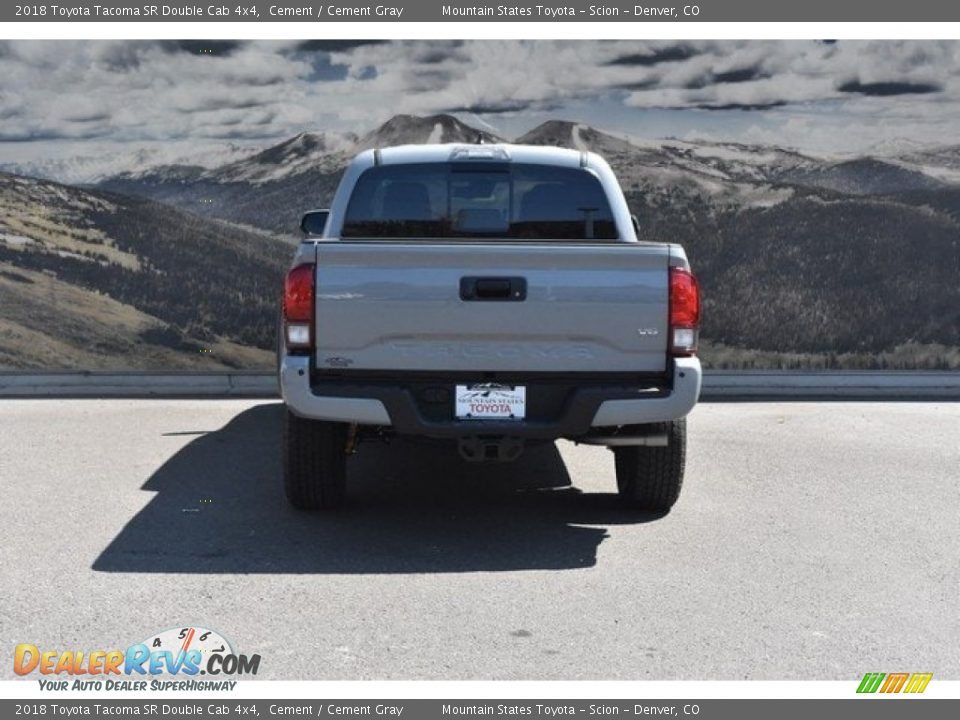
(159, 660)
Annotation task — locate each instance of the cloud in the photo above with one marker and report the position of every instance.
(202, 48)
(441, 52)
(146, 90)
(743, 106)
(86, 117)
(886, 89)
(675, 53)
(328, 46)
(739, 75)
(158, 91)
(490, 109)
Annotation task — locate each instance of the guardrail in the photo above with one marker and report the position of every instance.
(138, 384)
(849, 384)
(717, 385)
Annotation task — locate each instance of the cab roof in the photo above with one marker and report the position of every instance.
(499, 152)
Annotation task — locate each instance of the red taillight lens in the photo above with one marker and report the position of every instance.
(684, 311)
(298, 304)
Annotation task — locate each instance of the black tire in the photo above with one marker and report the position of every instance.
(314, 463)
(650, 478)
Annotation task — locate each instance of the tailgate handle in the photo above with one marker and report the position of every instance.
(493, 288)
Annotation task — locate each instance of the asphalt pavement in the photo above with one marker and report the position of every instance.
(812, 541)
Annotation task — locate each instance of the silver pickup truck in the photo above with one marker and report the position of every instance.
(490, 296)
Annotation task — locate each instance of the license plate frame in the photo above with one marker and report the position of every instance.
(490, 401)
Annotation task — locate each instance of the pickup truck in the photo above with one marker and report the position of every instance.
(490, 296)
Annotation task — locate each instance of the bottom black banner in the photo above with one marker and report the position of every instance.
(874, 708)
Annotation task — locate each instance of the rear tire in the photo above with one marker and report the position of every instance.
(314, 463)
(650, 478)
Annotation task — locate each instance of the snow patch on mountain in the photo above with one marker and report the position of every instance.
(89, 169)
(578, 142)
(666, 170)
(300, 154)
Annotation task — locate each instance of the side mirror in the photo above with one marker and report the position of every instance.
(636, 225)
(314, 222)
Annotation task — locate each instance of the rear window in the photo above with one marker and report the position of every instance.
(479, 199)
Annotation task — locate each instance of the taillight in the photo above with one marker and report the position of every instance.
(684, 312)
(298, 304)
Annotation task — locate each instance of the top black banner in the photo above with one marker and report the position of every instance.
(476, 11)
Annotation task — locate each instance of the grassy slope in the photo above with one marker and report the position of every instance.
(47, 324)
(95, 280)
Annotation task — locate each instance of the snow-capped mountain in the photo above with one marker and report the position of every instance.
(899, 147)
(430, 130)
(942, 163)
(724, 161)
(670, 170)
(89, 169)
(796, 253)
(864, 176)
(329, 152)
(306, 152)
(255, 188)
(716, 172)
(561, 133)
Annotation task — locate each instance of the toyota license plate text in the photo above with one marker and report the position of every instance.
(491, 401)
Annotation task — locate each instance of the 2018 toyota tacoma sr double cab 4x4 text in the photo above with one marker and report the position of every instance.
(491, 296)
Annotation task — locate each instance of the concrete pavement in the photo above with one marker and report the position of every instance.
(812, 541)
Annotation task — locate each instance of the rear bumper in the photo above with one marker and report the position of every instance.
(395, 405)
(299, 396)
(678, 403)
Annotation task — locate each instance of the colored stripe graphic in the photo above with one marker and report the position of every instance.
(870, 682)
(918, 682)
(894, 682)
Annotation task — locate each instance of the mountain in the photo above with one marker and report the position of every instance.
(838, 261)
(825, 274)
(727, 161)
(95, 280)
(304, 153)
(942, 163)
(864, 176)
(271, 189)
(679, 172)
(429, 130)
(89, 169)
(308, 166)
(313, 153)
(796, 253)
(899, 146)
(561, 133)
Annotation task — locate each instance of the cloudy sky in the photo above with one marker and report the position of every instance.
(62, 97)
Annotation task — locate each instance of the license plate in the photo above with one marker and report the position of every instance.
(491, 401)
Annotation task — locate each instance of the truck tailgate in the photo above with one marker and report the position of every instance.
(460, 306)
